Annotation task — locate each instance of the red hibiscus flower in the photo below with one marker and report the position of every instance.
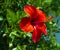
(35, 22)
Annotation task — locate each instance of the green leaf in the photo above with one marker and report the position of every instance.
(11, 17)
(48, 1)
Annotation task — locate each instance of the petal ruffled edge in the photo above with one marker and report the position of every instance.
(25, 25)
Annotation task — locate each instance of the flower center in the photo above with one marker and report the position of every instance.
(34, 22)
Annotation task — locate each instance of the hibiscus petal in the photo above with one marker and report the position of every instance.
(30, 10)
(41, 16)
(25, 25)
(44, 30)
(35, 14)
(42, 27)
(36, 35)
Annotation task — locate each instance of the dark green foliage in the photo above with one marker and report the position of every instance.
(12, 38)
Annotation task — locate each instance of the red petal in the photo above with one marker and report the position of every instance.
(42, 27)
(25, 25)
(36, 35)
(30, 10)
(35, 14)
(41, 16)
